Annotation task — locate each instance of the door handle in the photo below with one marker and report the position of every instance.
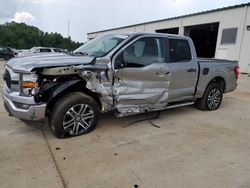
(167, 73)
(191, 70)
(162, 74)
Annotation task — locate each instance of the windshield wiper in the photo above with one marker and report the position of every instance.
(81, 53)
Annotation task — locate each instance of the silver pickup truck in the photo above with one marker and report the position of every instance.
(126, 74)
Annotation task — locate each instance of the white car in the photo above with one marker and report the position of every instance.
(40, 50)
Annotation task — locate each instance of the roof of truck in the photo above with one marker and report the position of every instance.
(134, 34)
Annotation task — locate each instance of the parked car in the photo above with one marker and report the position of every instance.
(127, 74)
(22, 50)
(40, 50)
(7, 53)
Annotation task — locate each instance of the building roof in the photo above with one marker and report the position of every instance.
(176, 17)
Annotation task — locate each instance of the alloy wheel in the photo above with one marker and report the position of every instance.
(214, 99)
(78, 119)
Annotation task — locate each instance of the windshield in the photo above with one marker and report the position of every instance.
(100, 46)
(33, 49)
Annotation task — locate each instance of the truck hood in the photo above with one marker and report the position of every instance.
(27, 64)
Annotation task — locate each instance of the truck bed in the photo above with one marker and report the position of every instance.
(216, 68)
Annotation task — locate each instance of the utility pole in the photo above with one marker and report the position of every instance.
(68, 29)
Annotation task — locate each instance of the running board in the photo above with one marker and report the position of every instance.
(179, 105)
(173, 105)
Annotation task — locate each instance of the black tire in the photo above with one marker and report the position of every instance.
(69, 107)
(208, 102)
(6, 58)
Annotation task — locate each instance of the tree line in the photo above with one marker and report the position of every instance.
(23, 36)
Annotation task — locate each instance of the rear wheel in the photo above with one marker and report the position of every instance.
(212, 97)
(7, 57)
(74, 114)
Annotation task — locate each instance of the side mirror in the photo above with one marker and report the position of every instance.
(119, 62)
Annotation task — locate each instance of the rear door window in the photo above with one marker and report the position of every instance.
(179, 50)
(57, 50)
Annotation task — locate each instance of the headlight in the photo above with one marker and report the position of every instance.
(28, 84)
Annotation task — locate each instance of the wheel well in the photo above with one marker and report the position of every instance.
(80, 86)
(220, 81)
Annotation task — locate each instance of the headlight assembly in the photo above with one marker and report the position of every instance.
(28, 84)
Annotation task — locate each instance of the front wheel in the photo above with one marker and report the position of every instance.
(212, 97)
(74, 114)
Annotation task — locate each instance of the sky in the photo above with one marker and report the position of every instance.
(92, 15)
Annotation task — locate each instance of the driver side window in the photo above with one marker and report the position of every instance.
(143, 52)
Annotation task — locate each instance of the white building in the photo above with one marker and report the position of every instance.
(221, 33)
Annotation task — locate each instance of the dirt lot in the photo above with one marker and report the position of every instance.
(191, 148)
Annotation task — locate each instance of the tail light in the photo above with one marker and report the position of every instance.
(236, 72)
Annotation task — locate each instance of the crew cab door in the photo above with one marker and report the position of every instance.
(183, 66)
(141, 74)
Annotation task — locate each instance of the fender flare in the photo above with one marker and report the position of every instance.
(63, 87)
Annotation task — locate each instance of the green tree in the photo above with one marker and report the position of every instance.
(22, 36)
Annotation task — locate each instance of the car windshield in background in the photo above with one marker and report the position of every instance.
(32, 49)
(100, 46)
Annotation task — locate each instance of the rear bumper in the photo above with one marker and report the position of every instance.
(231, 88)
(32, 112)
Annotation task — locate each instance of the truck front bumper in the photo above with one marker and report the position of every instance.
(25, 111)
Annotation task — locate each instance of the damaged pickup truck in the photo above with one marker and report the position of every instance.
(127, 74)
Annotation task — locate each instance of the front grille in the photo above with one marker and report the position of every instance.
(7, 78)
